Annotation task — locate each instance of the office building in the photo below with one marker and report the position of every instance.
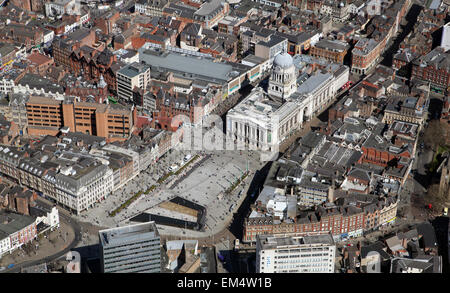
(445, 40)
(47, 116)
(295, 254)
(131, 77)
(130, 249)
(332, 50)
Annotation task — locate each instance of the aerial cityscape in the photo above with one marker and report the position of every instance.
(224, 136)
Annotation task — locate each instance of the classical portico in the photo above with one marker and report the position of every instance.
(265, 119)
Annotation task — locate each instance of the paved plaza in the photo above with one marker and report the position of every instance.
(204, 181)
(46, 245)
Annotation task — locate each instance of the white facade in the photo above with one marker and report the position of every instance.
(5, 245)
(445, 41)
(320, 89)
(60, 7)
(355, 8)
(80, 194)
(283, 81)
(84, 18)
(148, 9)
(263, 120)
(25, 89)
(315, 38)
(6, 85)
(131, 76)
(53, 218)
(269, 3)
(148, 157)
(48, 36)
(130, 153)
(295, 254)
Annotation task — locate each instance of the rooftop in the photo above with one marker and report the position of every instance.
(129, 233)
(134, 69)
(277, 242)
(190, 66)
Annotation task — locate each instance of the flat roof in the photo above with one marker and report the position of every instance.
(200, 66)
(129, 233)
(286, 241)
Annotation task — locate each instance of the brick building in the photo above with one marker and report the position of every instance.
(91, 64)
(85, 93)
(39, 63)
(378, 151)
(331, 50)
(342, 221)
(65, 45)
(106, 21)
(29, 5)
(366, 53)
(17, 229)
(169, 106)
(47, 116)
(434, 67)
(19, 33)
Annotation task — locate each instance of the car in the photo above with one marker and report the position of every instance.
(173, 167)
(187, 157)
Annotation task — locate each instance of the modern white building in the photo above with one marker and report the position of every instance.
(130, 249)
(295, 254)
(445, 41)
(134, 75)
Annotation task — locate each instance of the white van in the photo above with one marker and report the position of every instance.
(173, 167)
(187, 157)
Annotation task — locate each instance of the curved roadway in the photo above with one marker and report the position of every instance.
(63, 217)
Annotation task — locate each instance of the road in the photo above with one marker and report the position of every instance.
(63, 217)
(411, 18)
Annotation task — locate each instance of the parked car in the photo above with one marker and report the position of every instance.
(187, 157)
